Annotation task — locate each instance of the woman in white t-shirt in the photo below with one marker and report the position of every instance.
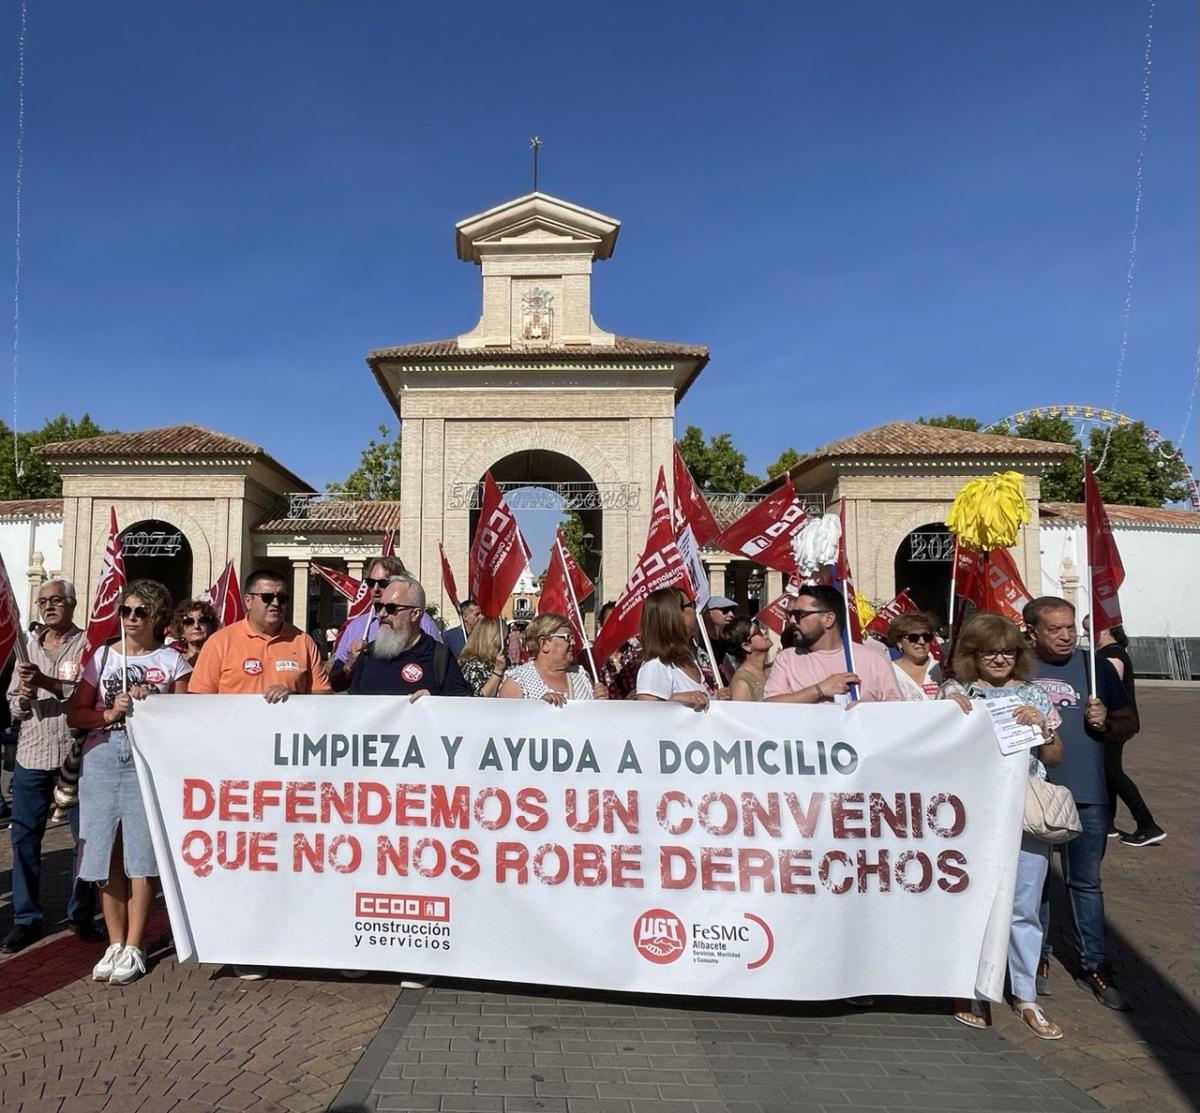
(669, 669)
(918, 673)
(114, 832)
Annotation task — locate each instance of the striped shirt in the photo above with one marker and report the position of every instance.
(44, 742)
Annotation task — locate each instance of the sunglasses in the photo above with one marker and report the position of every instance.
(370, 581)
(393, 609)
(563, 636)
(798, 614)
(998, 654)
(269, 597)
(133, 612)
(915, 638)
(189, 622)
(51, 601)
(690, 603)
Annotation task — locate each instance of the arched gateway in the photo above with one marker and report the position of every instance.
(535, 386)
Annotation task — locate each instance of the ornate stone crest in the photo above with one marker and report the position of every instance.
(537, 316)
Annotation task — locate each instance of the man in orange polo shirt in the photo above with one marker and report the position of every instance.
(262, 653)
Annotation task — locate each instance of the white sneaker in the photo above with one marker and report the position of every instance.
(130, 965)
(413, 981)
(250, 973)
(103, 969)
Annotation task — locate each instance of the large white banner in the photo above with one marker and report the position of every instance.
(764, 851)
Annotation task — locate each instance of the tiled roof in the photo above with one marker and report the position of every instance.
(1074, 512)
(31, 508)
(336, 516)
(172, 440)
(908, 438)
(625, 346)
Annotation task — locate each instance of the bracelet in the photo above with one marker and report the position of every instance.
(820, 694)
(495, 673)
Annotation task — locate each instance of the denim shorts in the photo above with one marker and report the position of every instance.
(110, 800)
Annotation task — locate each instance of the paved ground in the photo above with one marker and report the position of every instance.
(194, 1038)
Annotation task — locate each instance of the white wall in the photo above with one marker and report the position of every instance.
(1162, 568)
(20, 538)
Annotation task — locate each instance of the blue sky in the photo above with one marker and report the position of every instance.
(876, 210)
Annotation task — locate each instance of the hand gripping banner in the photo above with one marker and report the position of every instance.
(754, 851)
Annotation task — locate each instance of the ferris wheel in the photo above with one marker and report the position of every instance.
(1086, 418)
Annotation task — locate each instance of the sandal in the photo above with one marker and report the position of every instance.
(1035, 1020)
(971, 1013)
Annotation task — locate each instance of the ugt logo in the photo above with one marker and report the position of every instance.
(659, 936)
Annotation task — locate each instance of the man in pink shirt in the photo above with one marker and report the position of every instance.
(815, 670)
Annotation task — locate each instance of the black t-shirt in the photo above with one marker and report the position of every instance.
(412, 671)
(1114, 652)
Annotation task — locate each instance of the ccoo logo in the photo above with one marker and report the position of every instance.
(659, 936)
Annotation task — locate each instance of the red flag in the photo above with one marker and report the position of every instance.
(843, 580)
(498, 552)
(104, 623)
(661, 565)
(1106, 571)
(448, 583)
(225, 596)
(690, 507)
(765, 532)
(11, 631)
(774, 615)
(389, 543)
(990, 581)
(555, 597)
(902, 604)
(357, 591)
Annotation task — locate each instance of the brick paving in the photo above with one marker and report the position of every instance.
(195, 1038)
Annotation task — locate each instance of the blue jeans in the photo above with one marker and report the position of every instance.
(1081, 859)
(32, 799)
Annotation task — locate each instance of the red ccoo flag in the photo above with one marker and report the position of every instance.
(225, 597)
(661, 565)
(11, 632)
(774, 615)
(902, 604)
(357, 591)
(556, 596)
(1105, 569)
(765, 532)
(690, 507)
(990, 581)
(498, 552)
(104, 623)
(448, 584)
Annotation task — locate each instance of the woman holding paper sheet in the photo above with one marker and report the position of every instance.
(552, 674)
(117, 852)
(992, 659)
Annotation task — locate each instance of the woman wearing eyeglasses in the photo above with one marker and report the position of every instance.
(551, 673)
(192, 625)
(117, 852)
(754, 642)
(669, 669)
(992, 659)
(918, 675)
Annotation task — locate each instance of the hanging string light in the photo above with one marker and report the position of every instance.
(16, 344)
(1137, 219)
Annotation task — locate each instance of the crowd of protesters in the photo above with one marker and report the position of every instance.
(66, 713)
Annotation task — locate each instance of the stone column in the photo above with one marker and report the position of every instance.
(772, 586)
(300, 593)
(355, 568)
(36, 575)
(717, 566)
(1069, 578)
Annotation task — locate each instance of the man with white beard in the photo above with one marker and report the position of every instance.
(403, 660)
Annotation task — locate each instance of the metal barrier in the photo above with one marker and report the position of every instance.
(1166, 658)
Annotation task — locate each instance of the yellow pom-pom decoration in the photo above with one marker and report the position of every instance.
(988, 513)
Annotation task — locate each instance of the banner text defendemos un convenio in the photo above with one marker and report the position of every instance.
(562, 810)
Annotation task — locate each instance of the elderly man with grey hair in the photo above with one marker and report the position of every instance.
(403, 660)
(38, 696)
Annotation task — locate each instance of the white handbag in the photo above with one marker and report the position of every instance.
(1050, 813)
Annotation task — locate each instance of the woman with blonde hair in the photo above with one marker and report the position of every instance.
(992, 659)
(669, 669)
(551, 673)
(482, 659)
(117, 852)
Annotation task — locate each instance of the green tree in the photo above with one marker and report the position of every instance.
(39, 479)
(1134, 472)
(1063, 482)
(952, 421)
(788, 459)
(573, 531)
(378, 473)
(715, 464)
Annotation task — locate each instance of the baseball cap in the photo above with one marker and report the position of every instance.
(719, 603)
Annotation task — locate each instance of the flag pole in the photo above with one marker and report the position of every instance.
(953, 584)
(848, 643)
(587, 645)
(124, 661)
(1087, 549)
